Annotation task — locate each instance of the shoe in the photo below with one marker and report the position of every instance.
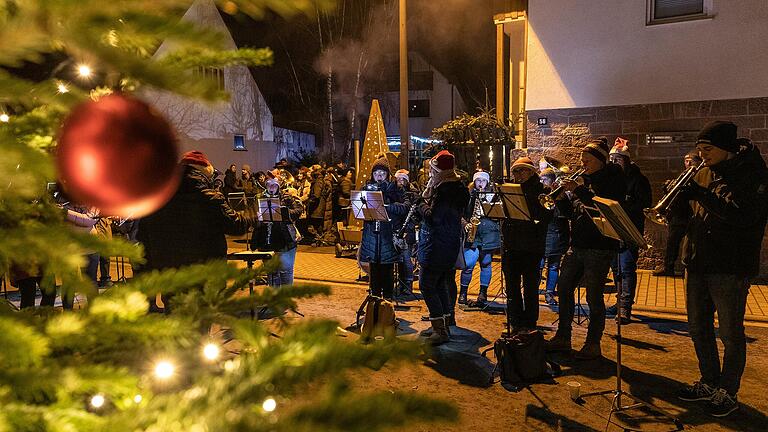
(696, 392)
(105, 283)
(664, 272)
(462, 298)
(722, 404)
(440, 333)
(624, 319)
(450, 320)
(550, 299)
(558, 343)
(611, 310)
(482, 296)
(590, 351)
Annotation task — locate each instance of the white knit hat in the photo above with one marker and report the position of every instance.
(481, 175)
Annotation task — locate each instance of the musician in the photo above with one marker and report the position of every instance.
(482, 240)
(591, 253)
(558, 238)
(280, 236)
(445, 200)
(721, 253)
(677, 220)
(637, 198)
(524, 242)
(407, 193)
(377, 247)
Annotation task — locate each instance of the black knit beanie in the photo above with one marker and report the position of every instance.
(597, 148)
(721, 134)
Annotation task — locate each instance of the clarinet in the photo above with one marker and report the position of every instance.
(399, 237)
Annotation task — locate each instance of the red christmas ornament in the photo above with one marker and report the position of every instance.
(119, 155)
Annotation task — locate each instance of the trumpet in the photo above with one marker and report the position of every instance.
(658, 214)
(548, 200)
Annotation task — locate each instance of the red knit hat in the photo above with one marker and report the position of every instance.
(442, 161)
(195, 157)
(621, 147)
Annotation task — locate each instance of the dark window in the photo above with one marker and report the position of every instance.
(239, 142)
(665, 11)
(418, 108)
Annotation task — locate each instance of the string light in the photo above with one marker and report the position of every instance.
(211, 351)
(269, 405)
(137, 399)
(5, 118)
(97, 401)
(62, 88)
(164, 369)
(84, 70)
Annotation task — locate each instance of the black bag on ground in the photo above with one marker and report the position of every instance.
(521, 359)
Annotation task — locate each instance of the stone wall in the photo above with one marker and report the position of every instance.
(659, 135)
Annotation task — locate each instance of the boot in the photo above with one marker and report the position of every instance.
(439, 334)
(558, 343)
(450, 320)
(463, 295)
(590, 351)
(482, 297)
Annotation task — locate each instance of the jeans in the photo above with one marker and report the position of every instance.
(405, 271)
(552, 264)
(726, 294)
(436, 290)
(627, 260)
(592, 265)
(283, 276)
(522, 310)
(472, 257)
(381, 279)
(675, 235)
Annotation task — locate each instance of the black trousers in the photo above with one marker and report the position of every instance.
(522, 306)
(28, 289)
(675, 235)
(381, 280)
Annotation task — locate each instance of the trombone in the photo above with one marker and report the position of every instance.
(548, 200)
(658, 214)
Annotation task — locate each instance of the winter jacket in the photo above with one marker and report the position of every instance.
(279, 236)
(529, 236)
(191, 227)
(730, 209)
(377, 245)
(638, 196)
(441, 230)
(319, 198)
(679, 211)
(231, 183)
(488, 235)
(607, 183)
(558, 233)
(409, 196)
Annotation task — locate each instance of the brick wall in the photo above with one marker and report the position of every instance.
(659, 135)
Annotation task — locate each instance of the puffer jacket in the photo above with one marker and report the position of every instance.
(191, 227)
(441, 230)
(529, 236)
(488, 235)
(730, 210)
(279, 236)
(377, 245)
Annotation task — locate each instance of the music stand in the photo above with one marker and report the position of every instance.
(368, 205)
(269, 210)
(250, 257)
(615, 223)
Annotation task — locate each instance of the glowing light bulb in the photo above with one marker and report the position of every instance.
(269, 405)
(84, 70)
(138, 398)
(164, 369)
(5, 118)
(97, 401)
(211, 351)
(62, 88)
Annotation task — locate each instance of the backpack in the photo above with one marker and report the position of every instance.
(379, 319)
(521, 359)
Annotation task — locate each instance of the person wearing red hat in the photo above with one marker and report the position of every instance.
(440, 243)
(636, 199)
(524, 246)
(192, 226)
(721, 253)
(590, 254)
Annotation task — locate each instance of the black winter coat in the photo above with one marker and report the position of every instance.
(441, 231)
(638, 196)
(528, 236)
(191, 227)
(407, 195)
(729, 217)
(279, 236)
(607, 183)
(377, 245)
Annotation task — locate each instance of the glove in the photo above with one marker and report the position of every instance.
(692, 191)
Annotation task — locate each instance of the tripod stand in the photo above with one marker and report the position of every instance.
(616, 224)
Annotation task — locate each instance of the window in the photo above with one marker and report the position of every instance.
(418, 108)
(239, 143)
(668, 11)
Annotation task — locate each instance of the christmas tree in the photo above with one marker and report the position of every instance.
(110, 365)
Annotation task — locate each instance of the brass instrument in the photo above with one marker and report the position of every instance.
(658, 214)
(474, 221)
(548, 200)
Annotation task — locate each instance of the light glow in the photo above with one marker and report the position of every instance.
(269, 405)
(211, 351)
(138, 398)
(62, 88)
(164, 370)
(84, 70)
(97, 401)
(5, 118)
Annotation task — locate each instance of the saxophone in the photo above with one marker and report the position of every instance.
(474, 221)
